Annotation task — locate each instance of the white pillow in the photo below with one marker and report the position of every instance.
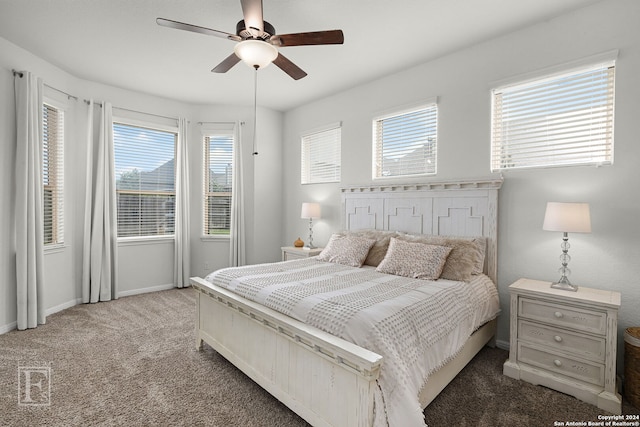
(346, 250)
(416, 260)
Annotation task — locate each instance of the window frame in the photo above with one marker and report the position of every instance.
(603, 61)
(134, 122)
(58, 190)
(206, 132)
(306, 160)
(398, 112)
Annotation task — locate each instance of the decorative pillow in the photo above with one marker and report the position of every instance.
(379, 248)
(417, 260)
(463, 261)
(346, 250)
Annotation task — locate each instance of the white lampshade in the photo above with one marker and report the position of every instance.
(567, 217)
(256, 53)
(310, 210)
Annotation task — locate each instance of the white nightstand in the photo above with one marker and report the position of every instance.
(566, 341)
(291, 252)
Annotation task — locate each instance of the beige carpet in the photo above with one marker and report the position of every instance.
(132, 362)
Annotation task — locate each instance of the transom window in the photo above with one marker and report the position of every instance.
(218, 182)
(405, 142)
(559, 120)
(145, 179)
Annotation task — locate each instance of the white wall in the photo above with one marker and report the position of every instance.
(609, 257)
(143, 265)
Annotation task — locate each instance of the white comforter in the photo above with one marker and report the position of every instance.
(416, 325)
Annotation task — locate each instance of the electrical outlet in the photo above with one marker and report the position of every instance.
(207, 267)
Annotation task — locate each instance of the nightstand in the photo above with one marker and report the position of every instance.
(291, 252)
(565, 340)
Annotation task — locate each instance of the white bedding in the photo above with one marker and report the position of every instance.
(416, 325)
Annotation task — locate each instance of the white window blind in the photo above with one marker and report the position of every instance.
(555, 121)
(404, 143)
(53, 174)
(320, 159)
(145, 180)
(218, 181)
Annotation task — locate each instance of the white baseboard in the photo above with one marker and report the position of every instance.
(146, 290)
(62, 306)
(8, 328)
(504, 345)
(11, 326)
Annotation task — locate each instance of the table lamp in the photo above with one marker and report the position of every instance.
(567, 218)
(310, 210)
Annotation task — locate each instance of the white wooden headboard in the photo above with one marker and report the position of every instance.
(453, 208)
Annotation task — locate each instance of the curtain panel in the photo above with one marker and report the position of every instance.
(29, 234)
(100, 255)
(237, 246)
(182, 253)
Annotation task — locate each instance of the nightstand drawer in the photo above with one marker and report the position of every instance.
(592, 373)
(587, 346)
(563, 315)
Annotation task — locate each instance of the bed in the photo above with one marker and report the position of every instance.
(279, 339)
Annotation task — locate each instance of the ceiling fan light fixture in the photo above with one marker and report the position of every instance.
(256, 53)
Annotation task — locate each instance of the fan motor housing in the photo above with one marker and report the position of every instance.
(241, 30)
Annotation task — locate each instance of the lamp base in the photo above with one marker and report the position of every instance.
(309, 247)
(564, 285)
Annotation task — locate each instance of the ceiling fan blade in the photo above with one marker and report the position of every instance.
(289, 67)
(227, 64)
(304, 39)
(252, 11)
(196, 29)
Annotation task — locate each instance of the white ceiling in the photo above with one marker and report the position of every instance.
(117, 42)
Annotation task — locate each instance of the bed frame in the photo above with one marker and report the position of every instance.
(324, 379)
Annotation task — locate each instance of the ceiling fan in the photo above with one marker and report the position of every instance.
(258, 41)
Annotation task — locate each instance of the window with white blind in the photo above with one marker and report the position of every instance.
(218, 181)
(320, 155)
(405, 142)
(145, 179)
(564, 119)
(53, 174)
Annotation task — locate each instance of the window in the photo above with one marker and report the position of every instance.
(404, 143)
(320, 159)
(145, 180)
(218, 181)
(53, 174)
(560, 120)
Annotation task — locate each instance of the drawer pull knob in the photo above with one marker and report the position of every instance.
(558, 338)
(558, 315)
(557, 363)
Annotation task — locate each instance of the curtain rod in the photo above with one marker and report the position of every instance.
(86, 101)
(69, 96)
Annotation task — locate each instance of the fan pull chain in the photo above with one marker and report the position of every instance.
(255, 109)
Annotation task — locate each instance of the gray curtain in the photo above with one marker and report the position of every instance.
(29, 233)
(182, 254)
(100, 249)
(237, 245)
